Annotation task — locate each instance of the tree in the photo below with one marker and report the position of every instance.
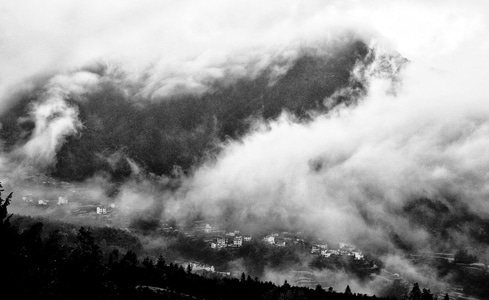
(32, 243)
(4, 217)
(9, 249)
(415, 293)
(113, 257)
(398, 289)
(348, 290)
(286, 285)
(426, 295)
(130, 259)
(160, 262)
(446, 297)
(148, 263)
(87, 251)
(85, 267)
(463, 256)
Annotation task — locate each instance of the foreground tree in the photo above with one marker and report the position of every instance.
(415, 293)
(4, 216)
(9, 250)
(426, 295)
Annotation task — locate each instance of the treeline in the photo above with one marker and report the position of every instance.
(39, 265)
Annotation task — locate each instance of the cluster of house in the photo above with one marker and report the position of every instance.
(199, 268)
(217, 238)
(229, 240)
(44, 202)
(280, 240)
(98, 209)
(220, 239)
(343, 249)
(196, 266)
(275, 239)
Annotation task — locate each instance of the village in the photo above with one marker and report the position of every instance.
(74, 208)
(217, 238)
(74, 202)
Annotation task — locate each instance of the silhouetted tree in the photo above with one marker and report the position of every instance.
(148, 263)
(348, 290)
(32, 242)
(113, 257)
(129, 260)
(415, 293)
(426, 295)
(286, 285)
(85, 268)
(4, 216)
(9, 246)
(160, 262)
(463, 256)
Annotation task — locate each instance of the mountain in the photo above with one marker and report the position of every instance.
(120, 128)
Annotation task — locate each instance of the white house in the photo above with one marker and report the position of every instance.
(315, 249)
(62, 201)
(280, 243)
(101, 210)
(43, 202)
(221, 242)
(238, 241)
(269, 239)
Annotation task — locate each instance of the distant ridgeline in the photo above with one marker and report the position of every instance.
(159, 134)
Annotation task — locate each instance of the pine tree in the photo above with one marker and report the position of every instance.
(286, 285)
(348, 290)
(160, 263)
(415, 293)
(148, 263)
(426, 295)
(4, 217)
(9, 249)
(87, 251)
